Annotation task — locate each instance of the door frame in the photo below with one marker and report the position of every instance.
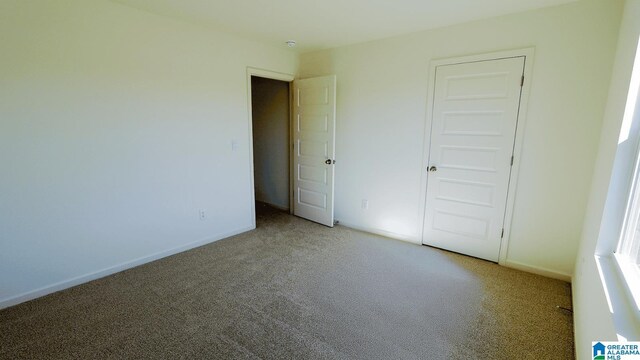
(273, 75)
(528, 54)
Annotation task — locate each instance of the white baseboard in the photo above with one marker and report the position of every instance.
(385, 233)
(538, 270)
(65, 284)
(508, 263)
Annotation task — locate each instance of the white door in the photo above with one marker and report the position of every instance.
(314, 120)
(473, 125)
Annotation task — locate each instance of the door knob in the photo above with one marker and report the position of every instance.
(433, 168)
(328, 162)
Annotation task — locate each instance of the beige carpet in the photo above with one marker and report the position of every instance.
(292, 289)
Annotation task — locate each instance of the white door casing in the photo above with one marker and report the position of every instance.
(269, 75)
(313, 133)
(474, 117)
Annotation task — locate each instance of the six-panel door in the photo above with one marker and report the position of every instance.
(314, 148)
(473, 125)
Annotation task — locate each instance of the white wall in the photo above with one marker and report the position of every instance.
(115, 130)
(592, 314)
(382, 90)
(270, 108)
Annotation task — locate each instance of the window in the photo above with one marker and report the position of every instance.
(627, 254)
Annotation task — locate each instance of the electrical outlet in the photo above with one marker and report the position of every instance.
(365, 204)
(203, 214)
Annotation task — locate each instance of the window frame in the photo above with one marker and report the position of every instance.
(626, 255)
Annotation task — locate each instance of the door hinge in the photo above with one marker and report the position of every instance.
(522, 80)
(511, 160)
(502, 233)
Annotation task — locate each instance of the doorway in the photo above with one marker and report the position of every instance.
(293, 127)
(475, 113)
(270, 126)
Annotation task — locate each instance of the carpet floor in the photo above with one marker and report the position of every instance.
(293, 289)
